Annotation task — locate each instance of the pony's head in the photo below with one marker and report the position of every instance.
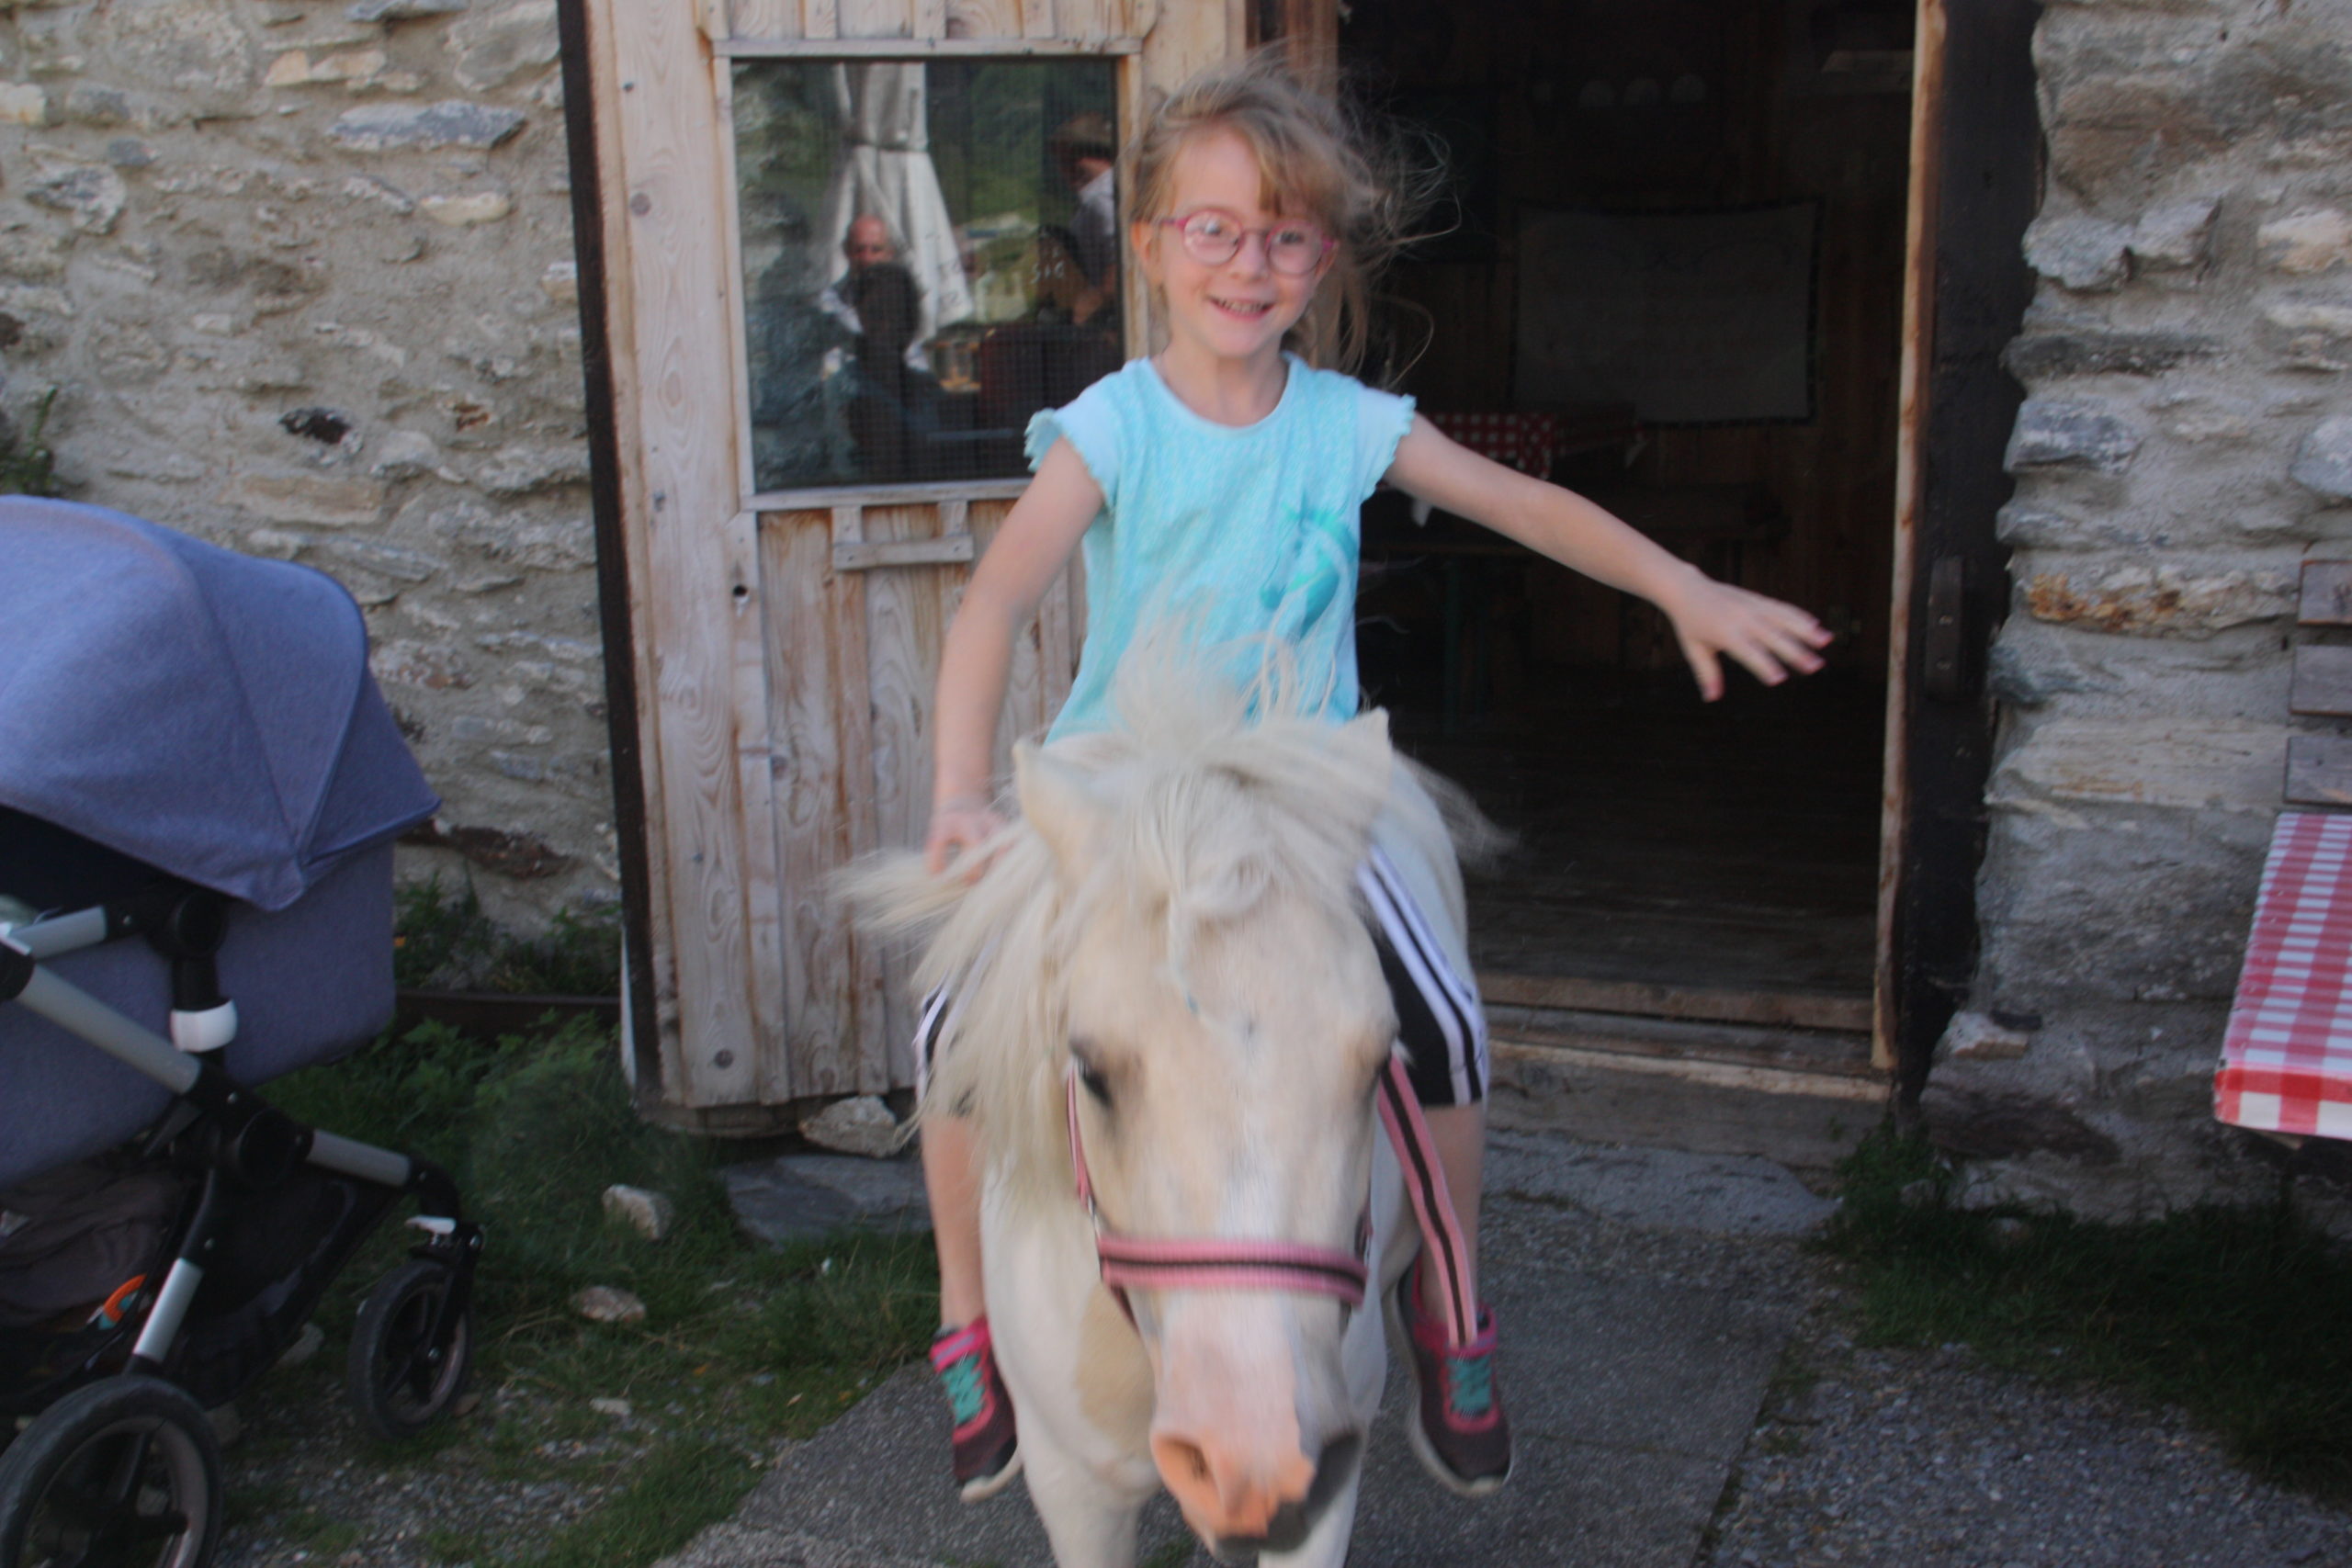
(1174, 923)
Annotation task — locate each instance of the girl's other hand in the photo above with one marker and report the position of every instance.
(961, 827)
(1771, 639)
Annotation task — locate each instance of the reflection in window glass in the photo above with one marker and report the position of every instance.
(930, 255)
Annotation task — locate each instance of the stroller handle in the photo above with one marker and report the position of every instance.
(72, 1008)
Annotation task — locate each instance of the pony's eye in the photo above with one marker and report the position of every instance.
(1095, 1083)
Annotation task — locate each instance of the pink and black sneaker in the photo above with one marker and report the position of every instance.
(988, 1450)
(1459, 1432)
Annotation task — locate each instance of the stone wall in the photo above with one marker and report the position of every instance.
(2186, 443)
(301, 273)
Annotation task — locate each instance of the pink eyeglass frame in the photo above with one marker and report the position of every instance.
(1265, 240)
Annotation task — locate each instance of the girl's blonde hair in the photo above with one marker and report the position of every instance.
(1316, 158)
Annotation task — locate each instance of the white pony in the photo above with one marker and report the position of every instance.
(1164, 983)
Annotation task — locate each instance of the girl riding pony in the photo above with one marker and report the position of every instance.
(1218, 481)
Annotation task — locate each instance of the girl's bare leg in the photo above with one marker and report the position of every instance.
(951, 1178)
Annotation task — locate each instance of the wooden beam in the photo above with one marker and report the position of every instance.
(886, 495)
(923, 48)
(2327, 593)
(2322, 682)
(1797, 1009)
(948, 549)
(2319, 770)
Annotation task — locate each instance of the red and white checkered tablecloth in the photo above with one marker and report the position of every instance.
(1523, 441)
(2287, 1059)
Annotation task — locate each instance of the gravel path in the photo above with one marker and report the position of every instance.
(1930, 1459)
(1904, 1458)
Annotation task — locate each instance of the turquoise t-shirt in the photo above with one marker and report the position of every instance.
(1245, 536)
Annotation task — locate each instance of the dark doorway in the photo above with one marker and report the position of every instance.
(1670, 277)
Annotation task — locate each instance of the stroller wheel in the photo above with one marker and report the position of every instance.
(402, 1375)
(122, 1474)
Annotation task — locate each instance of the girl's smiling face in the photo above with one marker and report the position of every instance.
(1241, 309)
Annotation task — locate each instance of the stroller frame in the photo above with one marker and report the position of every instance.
(413, 1343)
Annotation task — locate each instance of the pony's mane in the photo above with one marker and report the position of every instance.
(1208, 800)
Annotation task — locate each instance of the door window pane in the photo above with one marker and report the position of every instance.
(930, 255)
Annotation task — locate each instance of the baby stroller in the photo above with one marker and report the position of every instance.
(199, 785)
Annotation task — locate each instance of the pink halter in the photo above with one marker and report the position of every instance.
(1212, 1264)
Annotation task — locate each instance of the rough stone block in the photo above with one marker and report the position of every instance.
(608, 1304)
(394, 561)
(2310, 316)
(2122, 909)
(517, 540)
(2052, 433)
(401, 661)
(2235, 676)
(315, 499)
(561, 283)
(520, 470)
(861, 1124)
(466, 211)
(2042, 355)
(2323, 459)
(494, 47)
(1978, 1037)
(403, 10)
(2168, 599)
(89, 104)
(2154, 761)
(34, 256)
(644, 1210)
(384, 128)
(404, 454)
(2087, 254)
(188, 48)
(90, 194)
(23, 103)
(2306, 241)
(2175, 237)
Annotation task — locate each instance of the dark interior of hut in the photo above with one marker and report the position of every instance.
(1666, 272)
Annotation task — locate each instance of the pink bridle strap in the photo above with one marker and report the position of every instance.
(1213, 1264)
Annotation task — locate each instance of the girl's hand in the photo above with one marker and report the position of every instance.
(961, 826)
(1774, 640)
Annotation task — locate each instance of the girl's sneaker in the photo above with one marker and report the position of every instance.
(1459, 1432)
(988, 1452)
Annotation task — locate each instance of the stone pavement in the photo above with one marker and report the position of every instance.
(1633, 1378)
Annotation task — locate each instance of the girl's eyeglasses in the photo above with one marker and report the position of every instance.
(1213, 238)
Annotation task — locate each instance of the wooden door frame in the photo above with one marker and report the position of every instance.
(1976, 150)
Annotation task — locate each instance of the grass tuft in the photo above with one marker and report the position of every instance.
(2235, 1315)
(687, 1486)
(742, 1346)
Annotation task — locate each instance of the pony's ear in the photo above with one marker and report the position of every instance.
(1057, 802)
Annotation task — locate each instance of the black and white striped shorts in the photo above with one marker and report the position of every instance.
(1441, 1027)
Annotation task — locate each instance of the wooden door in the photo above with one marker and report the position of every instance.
(772, 646)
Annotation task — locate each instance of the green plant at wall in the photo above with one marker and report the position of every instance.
(27, 466)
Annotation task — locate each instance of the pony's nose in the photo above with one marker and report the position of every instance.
(1242, 1507)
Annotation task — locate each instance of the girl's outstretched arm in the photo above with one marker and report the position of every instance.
(1711, 619)
(1033, 545)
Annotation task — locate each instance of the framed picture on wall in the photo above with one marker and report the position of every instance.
(1692, 317)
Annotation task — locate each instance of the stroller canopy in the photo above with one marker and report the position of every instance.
(204, 712)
